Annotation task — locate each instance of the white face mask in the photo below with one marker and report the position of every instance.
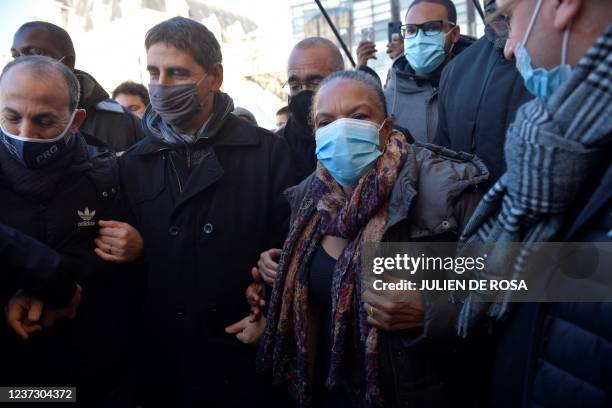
(35, 153)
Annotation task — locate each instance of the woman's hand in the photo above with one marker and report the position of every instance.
(390, 315)
(248, 331)
(253, 295)
(118, 242)
(268, 266)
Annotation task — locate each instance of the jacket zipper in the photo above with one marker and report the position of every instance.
(180, 186)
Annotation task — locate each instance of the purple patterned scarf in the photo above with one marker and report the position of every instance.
(326, 210)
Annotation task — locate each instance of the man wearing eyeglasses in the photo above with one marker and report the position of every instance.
(310, 61)
(431, 39)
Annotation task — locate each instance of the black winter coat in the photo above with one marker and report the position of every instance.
(203, 233)
(106, 120)
(480, 92)
(90, 350)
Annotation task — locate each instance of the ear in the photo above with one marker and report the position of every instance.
(385, 133)
(509, 49)
(216, 77)
(69, 61)
(567, 11)
(455, 34)
(79, 118)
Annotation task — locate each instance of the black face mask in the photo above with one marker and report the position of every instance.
(300, 105)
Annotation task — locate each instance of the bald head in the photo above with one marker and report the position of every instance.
(43, 38)
(38, 96)
(310, 61)
(42, 69)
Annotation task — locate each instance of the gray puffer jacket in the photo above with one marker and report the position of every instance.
(432, 200)
(413, 100)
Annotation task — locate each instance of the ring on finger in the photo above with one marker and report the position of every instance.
(370, 311)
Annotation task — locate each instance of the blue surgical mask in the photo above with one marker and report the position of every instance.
(35, 153)
(541, 82)
(425, 53)
(347, 148)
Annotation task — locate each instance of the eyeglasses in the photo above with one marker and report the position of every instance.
(429, 28)
(310, 84)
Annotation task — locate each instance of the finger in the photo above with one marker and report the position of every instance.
(375, 323)
(269, 279)
(256, 274)
(275, 253)
(107, 257)
(113, 232)
(242, 337)
(117, 246)
(377, 301)
(111, 224)
(236, 327)
(270, 263)
(36, 307)
(13, 320)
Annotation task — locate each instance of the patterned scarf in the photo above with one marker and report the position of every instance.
(326, 210)
(551, 151)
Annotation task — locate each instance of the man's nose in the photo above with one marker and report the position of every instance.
(27, 129)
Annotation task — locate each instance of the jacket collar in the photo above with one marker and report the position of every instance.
(228, 135)
(91, 91)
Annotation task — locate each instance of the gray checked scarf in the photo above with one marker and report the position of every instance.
(552, 149)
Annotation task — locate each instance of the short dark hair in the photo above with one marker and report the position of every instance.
(187, 35)
(132, 88)
(450, 7)
(42, 66)
(283, 111)
(363, 79)
(57, 35)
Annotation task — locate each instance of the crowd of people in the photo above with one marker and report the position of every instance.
(159, 249)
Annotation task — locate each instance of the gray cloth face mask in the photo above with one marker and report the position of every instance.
(176, 104)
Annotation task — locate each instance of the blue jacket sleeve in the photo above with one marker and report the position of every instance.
(37, 269)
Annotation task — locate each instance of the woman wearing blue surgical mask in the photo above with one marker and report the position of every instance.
(330, 340)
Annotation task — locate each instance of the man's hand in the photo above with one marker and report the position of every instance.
(69, 311)
(253, 295)
(118, 242)
(268, 266)
(25, 315)
(396, 47)
(247, 331)
(365, 51)
(388, 315)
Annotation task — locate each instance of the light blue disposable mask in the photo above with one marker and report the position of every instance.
(541, 82)
(35, 153)
(347, 148)
(425, 53)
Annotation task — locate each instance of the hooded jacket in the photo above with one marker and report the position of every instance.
(480, 92)
(106, 120)
(413, 100)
